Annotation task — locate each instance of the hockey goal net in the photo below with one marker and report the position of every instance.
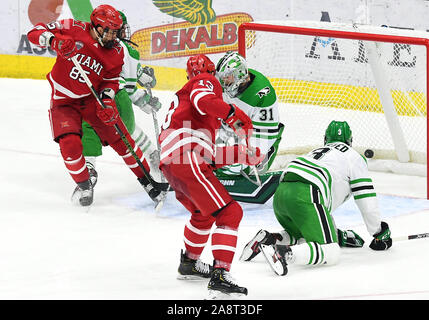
(375, 78)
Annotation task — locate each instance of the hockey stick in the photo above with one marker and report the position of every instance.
(258, 179)
(245, 175)
(155, 124)
(411, 237)
(160, 186)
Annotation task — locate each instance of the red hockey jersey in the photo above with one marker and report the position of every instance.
(102, 65)
(193, 118)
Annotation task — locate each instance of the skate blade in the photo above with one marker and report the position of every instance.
(160, 204)
(277, 264)
(248, 253)
(219, 295)
(191, 277)
(75, 201)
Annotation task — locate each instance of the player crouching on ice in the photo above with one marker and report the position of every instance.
(311, 188)
(97, 49)
(188, 158)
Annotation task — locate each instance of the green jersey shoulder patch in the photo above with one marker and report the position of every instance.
(260, 93)
(132, 51)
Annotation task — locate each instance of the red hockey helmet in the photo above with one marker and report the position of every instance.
(110, 20)
(199, 64)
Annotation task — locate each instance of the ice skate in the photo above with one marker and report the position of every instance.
(83, 193)
(252, 248)
(277, 257)
(156, 194)
(93, 175)
(223, 286)
(190, 269)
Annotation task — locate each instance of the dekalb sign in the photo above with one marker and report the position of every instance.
(184, 39)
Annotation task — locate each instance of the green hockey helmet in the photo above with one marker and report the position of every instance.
(338, 131)
(231, 70)
(125, 30)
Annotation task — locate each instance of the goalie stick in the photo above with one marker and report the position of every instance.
(155, 124)
(161, 186)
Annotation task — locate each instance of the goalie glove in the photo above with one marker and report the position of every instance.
(350, 239)
(146, 76)
(145, 101)
(382, 239)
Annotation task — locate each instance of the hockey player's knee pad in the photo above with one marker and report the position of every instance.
(201, 222)
(229, 216)
(70, 146)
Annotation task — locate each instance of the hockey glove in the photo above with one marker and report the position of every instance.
(238, 153)
(350, 239)
(65, 46)
(382, 239)
(239, 122)
(253, 156)
(146, 76)
(108, 113)
(145, 101)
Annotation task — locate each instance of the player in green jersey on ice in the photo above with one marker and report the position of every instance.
(311, 188)
(128, 94)
(253, 93)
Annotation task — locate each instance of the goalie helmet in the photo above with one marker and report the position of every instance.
(338, 131)
(125, 30)
(231, 70)
(110, 20)
(199, 64)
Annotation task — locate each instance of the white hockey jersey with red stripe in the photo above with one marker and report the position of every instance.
(192, 120)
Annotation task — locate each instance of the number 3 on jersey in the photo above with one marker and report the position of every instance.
(175, 103)
(173, 107)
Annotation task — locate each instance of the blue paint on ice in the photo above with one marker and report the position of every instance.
(347, 215)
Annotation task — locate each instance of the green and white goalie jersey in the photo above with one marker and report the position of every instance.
(259, 102)
(339, 172)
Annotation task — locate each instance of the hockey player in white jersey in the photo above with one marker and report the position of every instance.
(311, 188)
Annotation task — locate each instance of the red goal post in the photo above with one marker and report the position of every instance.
(397, 141)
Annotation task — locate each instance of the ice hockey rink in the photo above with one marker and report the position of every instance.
(121, 249)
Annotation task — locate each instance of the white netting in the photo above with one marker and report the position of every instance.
(320, 79)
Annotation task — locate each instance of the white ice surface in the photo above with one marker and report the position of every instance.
(119, 249)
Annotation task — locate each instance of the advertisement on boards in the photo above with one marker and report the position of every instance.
(167, 32)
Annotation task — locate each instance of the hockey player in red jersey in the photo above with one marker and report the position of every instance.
(97, 49)
(188, 158)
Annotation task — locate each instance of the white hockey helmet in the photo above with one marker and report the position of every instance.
(231, 70)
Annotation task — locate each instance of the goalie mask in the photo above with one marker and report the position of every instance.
(110, 20)
(231, 71)
(338, 131)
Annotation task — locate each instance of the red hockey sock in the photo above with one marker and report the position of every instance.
(71, 150)
(224, 238)
(196, 234)
(224, 242)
